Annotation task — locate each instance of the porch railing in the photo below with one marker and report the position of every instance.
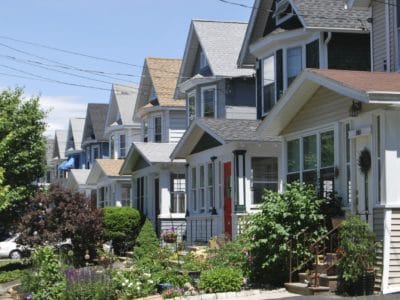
(201, 230)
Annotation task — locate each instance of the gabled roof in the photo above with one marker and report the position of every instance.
(218, 132)
(78, 176)
(122, 104)
(322, 15)
(367, 87)
(160, 74)
(142, 155)
(221, 42)
(75, 133)
(104, 167)
(95, 120)
(60, 143)
(49, 149)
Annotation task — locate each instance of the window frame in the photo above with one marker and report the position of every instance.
(157, 135)
(145, 125)
(301, 47)
(202, 188)
(207, 88)
(193, 188)
(267, 182)
(264, 112)
(122, 146)
(176, 205)
(191, 117)
(126, 201)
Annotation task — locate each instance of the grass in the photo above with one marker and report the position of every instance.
(11, 269)
(10, 275)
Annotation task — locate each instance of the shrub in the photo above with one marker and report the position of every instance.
(10, 275)
(357, 250)
(221, 279)
(135, 283)
(89, 283)
(122, 225)
(146, 243)
(282, 217)
(45, 281)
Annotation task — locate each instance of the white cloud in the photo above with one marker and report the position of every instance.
(61, 109)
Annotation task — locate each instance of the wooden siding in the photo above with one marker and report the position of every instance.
(241, 112)
(394, 260)
(324, 107)
(177, 125)
(378, 223)
(392, 51)
(378, 36)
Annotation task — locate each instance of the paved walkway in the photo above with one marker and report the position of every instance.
(3, 290)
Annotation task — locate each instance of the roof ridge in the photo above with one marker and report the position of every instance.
(219, 21)
(163, 58)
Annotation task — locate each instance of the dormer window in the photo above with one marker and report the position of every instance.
(283, 11)
(203, 60)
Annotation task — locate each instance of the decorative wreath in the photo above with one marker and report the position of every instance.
(364, 161)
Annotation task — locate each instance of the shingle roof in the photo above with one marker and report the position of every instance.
(80, 175)
(60, 140)
(229, 130)
(363, 81)
(95, 121)
(155, 152)
(331, 14)
(125, 97)
(110, 167)
(221, 42)
(49, 149)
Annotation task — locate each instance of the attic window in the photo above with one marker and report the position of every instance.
(283, 11)
(203, 60)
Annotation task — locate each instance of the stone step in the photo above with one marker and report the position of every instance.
(305, 290)
(329, 281)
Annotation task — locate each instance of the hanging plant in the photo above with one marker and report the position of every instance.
(364, 161)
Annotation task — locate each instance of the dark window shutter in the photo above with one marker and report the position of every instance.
(259, 88)
(279, 74)
(312, 55)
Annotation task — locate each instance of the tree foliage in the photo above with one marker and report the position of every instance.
(290, 216)
(122, 225)
(57, 215)
(22, 148)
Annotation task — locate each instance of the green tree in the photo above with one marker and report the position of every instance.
(22, 150)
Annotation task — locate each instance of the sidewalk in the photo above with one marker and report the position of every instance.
(4, 287)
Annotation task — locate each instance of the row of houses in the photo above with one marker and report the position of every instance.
(301, 92)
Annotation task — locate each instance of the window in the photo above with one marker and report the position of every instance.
(125, 195)
(317, 161)
(122, 146)
(101, 197)
(140, 193)
(145, 131)
(112, 147)
(194, 189)
(157, 130)
(283, 11)
(201, 188)
(209, 98)
(210, 185)
(264, 173)
(177, 193)
(95, 153)
(268, 91)
(294, 63)
(203, 60)
(191, 107)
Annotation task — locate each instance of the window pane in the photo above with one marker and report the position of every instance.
(192, 107)
(292, 177)
(268, 83)
(122, 145)
(294, 65)
(258, 190)
(310, 177)
(209, 103)
(193, 178)
(327, 149)
(157, 129)
(201, 176)
(310, 152)
(293, 154)
(265, 168)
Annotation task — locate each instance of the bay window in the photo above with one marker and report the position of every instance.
(209, 101)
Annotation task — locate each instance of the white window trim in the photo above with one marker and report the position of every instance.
(287, 17)
(202, 203)
(252, 181)
(194, 190)
(263, 113)
(209, 87)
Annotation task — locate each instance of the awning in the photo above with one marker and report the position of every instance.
(68, 164)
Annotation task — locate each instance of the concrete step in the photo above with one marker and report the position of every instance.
(305, 290)
(329, 281)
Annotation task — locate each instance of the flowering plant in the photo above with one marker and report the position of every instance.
(134, 283)
(169, 235)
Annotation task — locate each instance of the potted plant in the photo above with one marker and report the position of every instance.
(357, 257)
(169, 235)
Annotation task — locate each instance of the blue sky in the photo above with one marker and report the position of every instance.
(123, 30)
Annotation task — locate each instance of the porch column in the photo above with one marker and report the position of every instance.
(239, 180)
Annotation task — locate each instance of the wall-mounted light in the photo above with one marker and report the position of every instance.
(355, 108)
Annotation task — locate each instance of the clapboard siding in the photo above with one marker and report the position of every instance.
(394, 258)
(324, 107)
(241, 112)
(392, 53)
(177, 125)
(379, 36)
(378, 224)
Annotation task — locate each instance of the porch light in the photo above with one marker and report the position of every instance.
(355, 108)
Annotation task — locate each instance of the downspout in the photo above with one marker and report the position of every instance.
(387, 19)
(326, 42)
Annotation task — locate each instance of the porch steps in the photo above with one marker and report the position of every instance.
(305, 290)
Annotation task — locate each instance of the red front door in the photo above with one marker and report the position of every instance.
(227, 200)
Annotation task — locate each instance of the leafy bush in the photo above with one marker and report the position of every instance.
(147, 243)
(135, 283)
(89, 283)
(290, 216)
(122, 225)
(235, 254)
(169, 275)
(45, 281)
(193, 263)
(357, 250)
(221, 279)
(10, 275)
(54, 216)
